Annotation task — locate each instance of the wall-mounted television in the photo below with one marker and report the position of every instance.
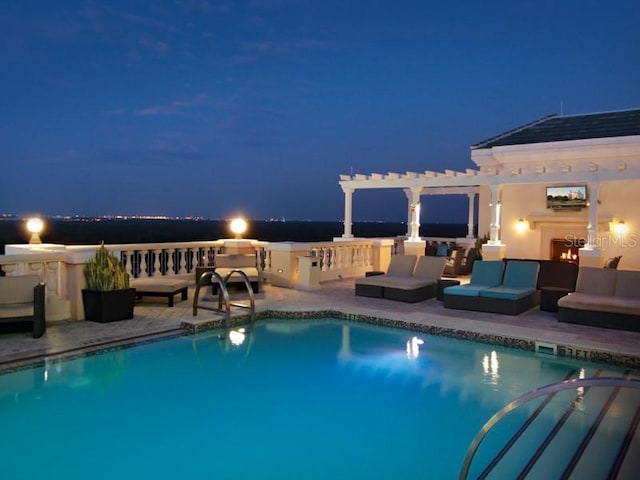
(567, 197)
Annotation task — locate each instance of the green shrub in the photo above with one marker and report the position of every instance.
(105, 272)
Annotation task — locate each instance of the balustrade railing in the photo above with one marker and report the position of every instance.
(48, 266)
(61, 266)
(343, 255)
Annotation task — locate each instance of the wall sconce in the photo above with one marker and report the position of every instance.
(522, 225)
(35, 226)
(238, 226)
(620, 228)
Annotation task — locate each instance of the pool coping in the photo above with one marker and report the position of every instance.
(539, 345)
(197, 325)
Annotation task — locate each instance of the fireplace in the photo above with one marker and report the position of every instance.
(566, 250)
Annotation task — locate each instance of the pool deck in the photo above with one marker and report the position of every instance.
(153, 318)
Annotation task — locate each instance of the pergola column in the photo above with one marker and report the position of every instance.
(593, 217)
(494, 228)
(470, 225)
(591, 254)
(413, 196)
(348, 212)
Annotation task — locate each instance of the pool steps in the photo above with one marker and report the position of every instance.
(554, 457)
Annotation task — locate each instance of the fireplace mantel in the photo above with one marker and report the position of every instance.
(567, 219)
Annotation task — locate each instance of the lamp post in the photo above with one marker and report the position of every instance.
(35, 225)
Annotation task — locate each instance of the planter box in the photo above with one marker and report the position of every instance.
(106, 307)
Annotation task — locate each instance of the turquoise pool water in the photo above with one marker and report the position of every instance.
(288, 400)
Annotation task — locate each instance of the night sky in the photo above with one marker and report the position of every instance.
(214, 108)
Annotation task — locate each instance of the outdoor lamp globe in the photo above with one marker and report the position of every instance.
(238, 226)
(35, 225)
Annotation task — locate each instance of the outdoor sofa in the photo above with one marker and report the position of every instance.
(556, 279)
(408, 279)
(226, 263)
(485, 274)
(22, 305)
(490, 291)
(604, 297)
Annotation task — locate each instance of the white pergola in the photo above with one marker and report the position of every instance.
(586, 161)
(414, 185)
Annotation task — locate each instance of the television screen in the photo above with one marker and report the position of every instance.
(572, 196)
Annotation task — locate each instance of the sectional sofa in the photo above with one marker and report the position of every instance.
(491, 291)
(409, 279)
(604, 297)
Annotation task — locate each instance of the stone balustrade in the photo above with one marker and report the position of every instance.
(61, 266)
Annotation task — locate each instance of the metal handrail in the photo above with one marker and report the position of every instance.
(223, 294)
(539, 392)
(247, 283)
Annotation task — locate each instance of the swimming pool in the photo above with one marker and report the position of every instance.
(288, 399)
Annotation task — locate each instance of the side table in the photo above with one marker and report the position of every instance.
(549, 297)
(444, 283)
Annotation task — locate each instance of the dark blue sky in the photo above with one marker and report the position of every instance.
(210, 108)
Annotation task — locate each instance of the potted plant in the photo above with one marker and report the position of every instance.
(107, 297)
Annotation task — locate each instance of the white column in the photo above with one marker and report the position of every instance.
(495, 215)
(593, 217)
(407, 192)
(413, 194)
(348, 212)
(472, 198)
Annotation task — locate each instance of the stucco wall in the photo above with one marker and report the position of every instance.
(619, 200)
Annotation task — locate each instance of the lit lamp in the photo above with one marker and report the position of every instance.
(34, 227)
(238, 226)
(620, 228)
(521, 225)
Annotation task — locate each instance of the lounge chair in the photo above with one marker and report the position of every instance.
(467, 262)
(248, 263)
(516, 294)
(422, 285)
(485, 274)
(612, 262)
(453, 266)
(401, 266)
(604, 297)
(22, 305)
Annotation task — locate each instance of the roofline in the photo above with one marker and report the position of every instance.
(599, 113)
(544, 119)
(512, 131)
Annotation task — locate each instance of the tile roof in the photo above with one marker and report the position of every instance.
(556, 128)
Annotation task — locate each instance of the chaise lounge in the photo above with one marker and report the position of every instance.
(516, 294)
(22, 305)
(225, 263)
(405, 281)
(166, 287)
(604, 297)
(485, 274)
